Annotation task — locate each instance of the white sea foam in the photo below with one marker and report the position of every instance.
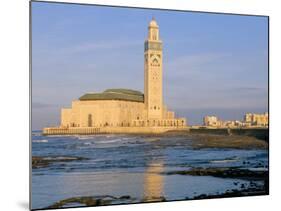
(84, 137)
(223, 161)
(60, 158)
(109, 136)
(258, 169)
(152, 139)
(110, 141)
(40, 141)
(36, 133)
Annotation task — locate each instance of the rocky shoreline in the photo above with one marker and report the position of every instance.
(101, 200)
(227, 172)
(233, 173)
(223, 141)
(205, 140)
(253, 190)
(247, 178)
(90, 201)
(42, 162)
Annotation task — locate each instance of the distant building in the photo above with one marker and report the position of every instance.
(212, 121)
(252, 119)
(233, 123)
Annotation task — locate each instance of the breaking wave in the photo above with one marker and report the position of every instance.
(40, 141)
(109, 141)
(61, 158)
(223, 161)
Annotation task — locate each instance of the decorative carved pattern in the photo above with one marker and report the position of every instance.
(152, 46)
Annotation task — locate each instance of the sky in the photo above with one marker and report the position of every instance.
(213, 64)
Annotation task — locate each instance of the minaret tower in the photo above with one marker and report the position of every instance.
(153, 97)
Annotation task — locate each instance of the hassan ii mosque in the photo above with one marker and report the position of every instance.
(124, 110)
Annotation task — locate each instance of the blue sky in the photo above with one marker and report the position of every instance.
(214, 64)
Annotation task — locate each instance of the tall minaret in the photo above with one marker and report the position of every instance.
(153, 97)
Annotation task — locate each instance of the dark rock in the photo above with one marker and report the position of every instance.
(125, 197)
(88, 201)
(235, 193)
(231, 172)
(41, 162)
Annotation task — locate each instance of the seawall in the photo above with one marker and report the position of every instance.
(110, 130)
(259, 133)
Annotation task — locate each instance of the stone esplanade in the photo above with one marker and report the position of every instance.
(125, 110)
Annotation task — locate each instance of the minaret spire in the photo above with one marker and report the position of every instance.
(153, 72)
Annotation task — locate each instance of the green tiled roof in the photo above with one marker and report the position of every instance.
(125, 91)
(115, 94)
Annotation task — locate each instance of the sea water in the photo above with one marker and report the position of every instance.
(119, 165)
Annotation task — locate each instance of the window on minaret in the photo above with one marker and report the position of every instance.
(154, 35)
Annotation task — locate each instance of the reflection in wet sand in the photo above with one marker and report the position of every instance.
(153, 183)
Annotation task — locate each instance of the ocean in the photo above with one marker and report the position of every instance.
(134, 168)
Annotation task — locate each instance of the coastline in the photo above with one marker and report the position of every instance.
(259, 133)
(133, 157)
